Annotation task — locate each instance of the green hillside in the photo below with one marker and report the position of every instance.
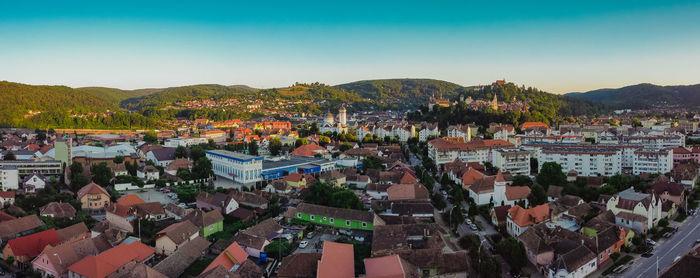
(116, 96)
(643, 96)
(408, 93)
(17, 99)
(168, 96)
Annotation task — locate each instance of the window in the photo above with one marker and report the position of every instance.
(324, 218)
(313, 217)
(298, 214)
(347, 222)
(364, 224)
(332, 220)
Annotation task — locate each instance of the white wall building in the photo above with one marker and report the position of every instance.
(443, 150)
(652, 161)
(9, 178)
(427, 131)
(587, 161)
(238, 167)
(515, 161)
(184, 141)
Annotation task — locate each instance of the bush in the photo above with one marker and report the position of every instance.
(615, 256)
(663, 222)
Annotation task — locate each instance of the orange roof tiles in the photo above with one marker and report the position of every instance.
(385, 267)
(337, 261)
(130, 200)
(527, 125)
(526, 217)
(471, 176)
(109, 261)
(517, 192)
(309, 150)
(294, 177)
(92, 188)
(32, 245)
(233, 255)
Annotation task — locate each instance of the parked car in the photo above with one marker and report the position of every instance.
(647, 255)
(345, 232)
(651, 242)
(668, 235)
(303, 244)
(473, 227)
(469, 221)
(310, 235)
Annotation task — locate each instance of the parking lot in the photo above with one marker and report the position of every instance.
(150, 195)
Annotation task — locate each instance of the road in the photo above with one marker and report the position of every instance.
(667, 251)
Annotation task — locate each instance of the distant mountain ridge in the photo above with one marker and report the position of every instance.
(644, 96)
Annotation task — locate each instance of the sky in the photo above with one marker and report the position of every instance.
(557, 46)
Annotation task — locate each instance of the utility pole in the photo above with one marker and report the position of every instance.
(657, 266)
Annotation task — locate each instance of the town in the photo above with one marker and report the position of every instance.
(369, 194)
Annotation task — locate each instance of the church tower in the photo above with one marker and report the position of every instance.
(342, 116)
(494, 103)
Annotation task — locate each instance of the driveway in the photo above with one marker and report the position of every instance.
(666, 251)
(316, 243)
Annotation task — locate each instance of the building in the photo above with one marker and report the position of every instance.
(28, 167)
(9, 178)
(494, 190)
(33, 182)
(232, 256)
(515, 161)
(334, 217)
(444, 150)
(57, 210)
(111, 261)
(428, 131)
(238, 167)
(54, 261)
(175, 236)
(337, 261)
(519, 219)
(93, 197)
(466, 132)
(26, 248)
(647, 205)
(161, 157)
(209, 223)
(653, 161)
(587, 161)
(63, 151)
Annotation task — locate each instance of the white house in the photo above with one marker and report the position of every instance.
(9, 178)
(647, 205)
(33, 182)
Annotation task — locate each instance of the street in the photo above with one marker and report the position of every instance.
(667, 251)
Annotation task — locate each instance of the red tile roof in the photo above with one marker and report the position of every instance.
(294, 177)
(130, 200)
(33, 244)
(525, 217)
(517, 192)
(234, 254)
(7, 194)
(386, 267)
(309, 150)
(109, 261)
(527, 125)
(337, 261)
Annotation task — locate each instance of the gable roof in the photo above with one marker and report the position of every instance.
(391, 266)
(309, 150)
(234, 254)
(176, 264)
(525, 217)
(66, 254)
(109, 261)
(517, 192)
(265, 228)
(299, 265)
(501, 212)
(32, 245)
(58, 210)
(92, 188)
(130, 200)
(164, 154)
(202, 219)
(407, 192)
(16, 226)
(337, 260)
(72, 231)
(178, 232)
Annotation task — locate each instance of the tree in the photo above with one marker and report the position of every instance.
(607, 189)
(522, 180)
(275, 146)
(277, 249)
(457, 193)
(324, 140)
(75, 168)
(150, 137)
(180, 152)
(551, 174)
(10, 156)
(101, 173)
(202, 168)
(345, 146)
(345, 199)
(118, 159)
(456, 216)
(253, 147)
(197, 152)
(537, 195)
(372, 162)
(439, 202)
(300, 142)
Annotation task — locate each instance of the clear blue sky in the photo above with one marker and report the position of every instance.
(558, 46)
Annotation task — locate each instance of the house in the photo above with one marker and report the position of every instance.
(209, 223)
(130, 200)
(335, 217)
(670, 191)
(254, 239)
(218, 201)
(7, 198)
(233, 255)
(554, 192)
(93, 197)
(110, 261)
(148, 172)
(34, 181)
(411, 208)
(120, 216)
(301, 265)
(174, 236)
(686, 266)
(179, 163)
(378, 191)
(20, 226)
(408, 192)
(150, 211)
(57, 210)
(333, 177)
(119, 170)
(249, 199)
(576, 262)
(499, 216)
(519, 219)
(310, 150)
(295, 180)
(278, 186)
(161, 157)
(26, 248)
(647, 205)
(176, 212)
(636, 222)
(176, 263)
(74, 232)
(605, 243)
(435, 263)
(494, 190)
(134, 269)
(55, 260)
(392, 239)
(389, 266)
(337, 261)
(539, 252)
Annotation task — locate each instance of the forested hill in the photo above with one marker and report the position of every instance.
(643, 96)
(115, 96)
(168, 96)
(403, 93)
(17, 99)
